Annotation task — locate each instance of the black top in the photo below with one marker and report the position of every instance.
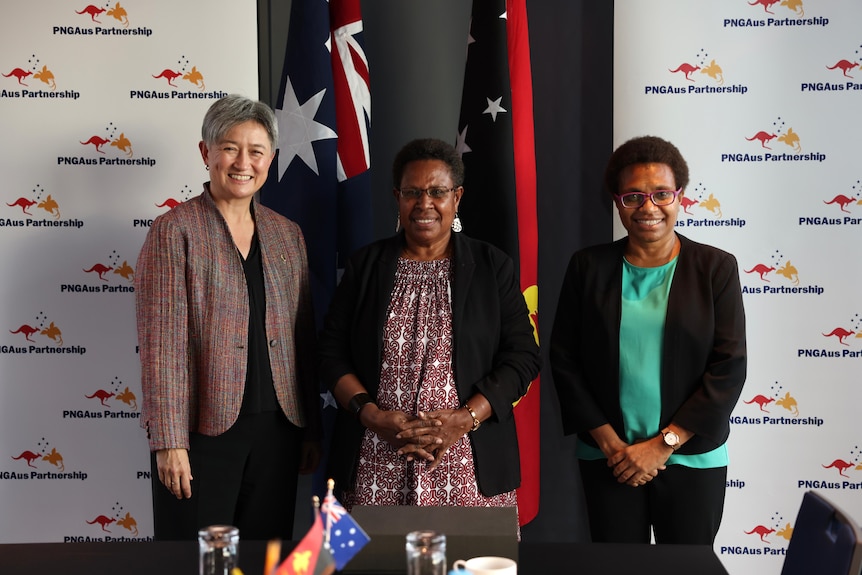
(259, 395)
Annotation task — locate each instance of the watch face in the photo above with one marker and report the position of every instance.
(671, 438)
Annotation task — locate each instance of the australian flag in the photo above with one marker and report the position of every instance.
(343, 533)
(320, 178)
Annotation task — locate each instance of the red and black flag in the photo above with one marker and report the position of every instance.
(497, 144)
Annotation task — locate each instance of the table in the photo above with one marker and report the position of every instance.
(180, 558)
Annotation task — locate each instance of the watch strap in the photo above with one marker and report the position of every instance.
(476, 422)
(357, 402)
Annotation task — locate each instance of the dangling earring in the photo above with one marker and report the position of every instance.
(456, 224)
(398, 224)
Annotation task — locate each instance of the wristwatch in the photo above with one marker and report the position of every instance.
(671, 439)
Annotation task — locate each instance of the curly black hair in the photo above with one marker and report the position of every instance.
(428, 149)
(645, 150)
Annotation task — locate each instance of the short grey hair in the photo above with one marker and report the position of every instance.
(235, 109)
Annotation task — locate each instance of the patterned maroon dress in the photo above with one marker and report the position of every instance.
(416, 375)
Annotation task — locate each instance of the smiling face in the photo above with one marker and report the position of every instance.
(427, 222)
(239, 162)
(648, 224)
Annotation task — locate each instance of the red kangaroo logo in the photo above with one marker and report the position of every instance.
(842, 201)
(763, 137)
(765, 3)
(762, 270)
(170, 203)
(169, 75)
(22, 203)
(844, 65)
(762, 531)
(100, 269)
(27, 331)
(97, 142)
(103, 521)
(760, 400)
(19, 75)
(30, 457)
(686, 203)
(92, 11)
(102, 395)
(840, 333)
(686, 69)
(840, 465)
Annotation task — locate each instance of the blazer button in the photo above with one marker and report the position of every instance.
(272, 343)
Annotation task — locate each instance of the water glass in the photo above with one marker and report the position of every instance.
(219, 549)
(426, 553)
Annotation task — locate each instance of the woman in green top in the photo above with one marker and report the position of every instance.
(649, 359)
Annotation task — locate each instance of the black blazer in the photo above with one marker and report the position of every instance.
(704, 355)
(495, 352)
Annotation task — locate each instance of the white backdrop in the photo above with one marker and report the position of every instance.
(100, 108)
(762, 98)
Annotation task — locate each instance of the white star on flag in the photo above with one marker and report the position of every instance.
(297, 129)
(494, 108)
(461, 146)
(328, 400)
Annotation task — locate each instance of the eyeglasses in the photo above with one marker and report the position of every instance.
(416, 193)
(658, 197)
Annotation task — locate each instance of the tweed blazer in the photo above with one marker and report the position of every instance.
(494, 349)
(192, 316)
(703, 363)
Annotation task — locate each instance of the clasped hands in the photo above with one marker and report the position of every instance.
(638, 463)
(426, 436)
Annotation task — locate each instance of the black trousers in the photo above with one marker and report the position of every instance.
(681, 505)
(245, 477)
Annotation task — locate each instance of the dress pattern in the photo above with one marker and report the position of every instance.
(416, 375)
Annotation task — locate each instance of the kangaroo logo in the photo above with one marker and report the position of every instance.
(840, 465)
(27, 331)
(103, 521)
(92, 11)
(170, 76)
(101, 395)
(761, 531)
(761, 401)
(763, 138)
(96, 141)
(170, 203)
(840, 200)
(100, 270)
(686, 69)
(762, 270)
(19, 75)
(24, 204)
(845, 66)
(29, 457)
(841, 334)
(765, 3)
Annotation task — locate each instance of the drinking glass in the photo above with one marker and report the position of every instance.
(426, 553)
(219, 549)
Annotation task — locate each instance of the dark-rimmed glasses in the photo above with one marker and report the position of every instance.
(637, 199)
(435, 193)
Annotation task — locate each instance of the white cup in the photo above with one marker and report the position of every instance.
(487, 566)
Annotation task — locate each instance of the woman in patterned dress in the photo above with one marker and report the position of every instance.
(426, 346)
